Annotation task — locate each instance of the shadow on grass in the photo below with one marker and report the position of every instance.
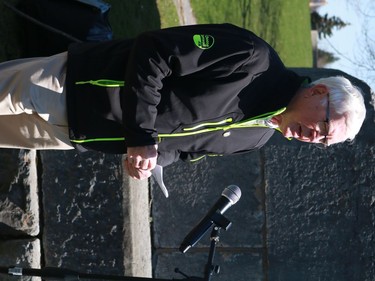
(22, 38)
(131, 17)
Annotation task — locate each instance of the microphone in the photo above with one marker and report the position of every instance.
(229, 197)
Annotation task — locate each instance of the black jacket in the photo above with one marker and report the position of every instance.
(150, 89)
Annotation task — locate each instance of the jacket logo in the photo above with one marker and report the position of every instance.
(203, 41)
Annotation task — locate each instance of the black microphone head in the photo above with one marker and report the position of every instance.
(233, 193)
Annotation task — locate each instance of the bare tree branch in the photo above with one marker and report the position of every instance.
(362, 10)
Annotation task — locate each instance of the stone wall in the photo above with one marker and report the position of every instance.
(67, 210)
(19, 210)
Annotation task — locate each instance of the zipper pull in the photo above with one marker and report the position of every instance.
(103, 83)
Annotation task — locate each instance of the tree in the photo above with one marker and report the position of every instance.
(325, 58)
(324, 25)
(363, 58)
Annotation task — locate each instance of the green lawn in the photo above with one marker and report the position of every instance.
(127, 18)
(285, 24)
(130, 17)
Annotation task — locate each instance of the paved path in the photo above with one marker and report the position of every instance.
(185, 12)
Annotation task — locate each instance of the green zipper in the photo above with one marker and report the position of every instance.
(103, 83)
(249, 123)
(228, 120)
(98, 139)
(203, 156)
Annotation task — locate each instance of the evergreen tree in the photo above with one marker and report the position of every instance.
(325, 58)
(324, 25)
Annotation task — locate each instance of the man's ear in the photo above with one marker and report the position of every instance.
(319, 89)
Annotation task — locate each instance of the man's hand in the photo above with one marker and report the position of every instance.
(141, 160)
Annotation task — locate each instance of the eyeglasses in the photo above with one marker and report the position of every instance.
(323, 127)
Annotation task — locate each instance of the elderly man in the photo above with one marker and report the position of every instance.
(177, 93)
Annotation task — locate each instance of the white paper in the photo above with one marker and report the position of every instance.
(157, 172)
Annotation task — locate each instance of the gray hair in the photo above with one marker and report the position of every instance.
(346, 99)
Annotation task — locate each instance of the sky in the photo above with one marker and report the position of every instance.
(345, 41)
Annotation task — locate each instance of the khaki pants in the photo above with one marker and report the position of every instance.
(33, 103)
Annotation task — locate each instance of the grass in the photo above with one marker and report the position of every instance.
(285, 24)
(168, 13)
(127, 18)
(130, 17)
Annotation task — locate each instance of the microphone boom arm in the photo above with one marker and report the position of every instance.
(228, 198)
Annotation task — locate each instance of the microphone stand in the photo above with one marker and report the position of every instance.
(210, 267)
(54, 273)
(220, 222)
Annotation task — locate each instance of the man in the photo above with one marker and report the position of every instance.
(177, 93)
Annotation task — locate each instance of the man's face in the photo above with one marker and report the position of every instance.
(309, 118)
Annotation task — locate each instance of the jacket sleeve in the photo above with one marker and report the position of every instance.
(176, 52)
